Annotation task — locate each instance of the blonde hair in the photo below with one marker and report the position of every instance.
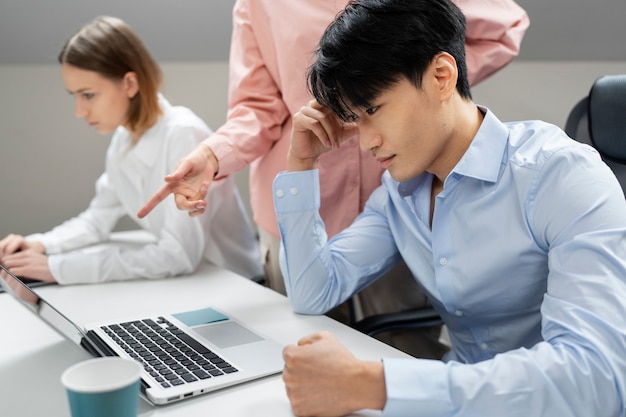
(111, 48)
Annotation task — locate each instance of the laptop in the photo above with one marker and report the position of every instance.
(183, 354)
(31, 283)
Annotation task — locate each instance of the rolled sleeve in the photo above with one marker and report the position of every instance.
(495, 29)
(74, 268)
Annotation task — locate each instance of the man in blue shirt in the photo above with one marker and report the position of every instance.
(516, 232)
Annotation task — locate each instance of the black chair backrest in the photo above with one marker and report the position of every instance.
(600, 121)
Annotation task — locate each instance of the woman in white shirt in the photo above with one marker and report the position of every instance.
(115, 83)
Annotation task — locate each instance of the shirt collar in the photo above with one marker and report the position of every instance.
(482, 160)
(484, 157)
(145, 150)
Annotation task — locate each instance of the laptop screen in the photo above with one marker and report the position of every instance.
(35, 303)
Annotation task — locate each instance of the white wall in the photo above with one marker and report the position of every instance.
(49, 160)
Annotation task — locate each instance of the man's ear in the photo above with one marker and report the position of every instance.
(446, 73)
(131, 84)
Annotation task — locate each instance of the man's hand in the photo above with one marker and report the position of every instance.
(189, 183)
(315, 130)
(323, 378)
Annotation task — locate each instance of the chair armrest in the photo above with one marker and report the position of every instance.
(410, 319)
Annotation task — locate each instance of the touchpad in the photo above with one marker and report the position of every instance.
(227, 334)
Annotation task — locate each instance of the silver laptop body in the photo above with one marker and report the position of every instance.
(184, 354)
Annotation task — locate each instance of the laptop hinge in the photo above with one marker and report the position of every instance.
(93, 344)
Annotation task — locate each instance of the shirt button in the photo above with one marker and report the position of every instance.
(280, 193)
(484, 346)
(293, 190)
(443, 261)
(458, 313)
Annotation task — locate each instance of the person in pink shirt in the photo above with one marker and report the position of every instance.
(273, 44)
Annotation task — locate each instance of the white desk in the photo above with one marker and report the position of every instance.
(33, 354)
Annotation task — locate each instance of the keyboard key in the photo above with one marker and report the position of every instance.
(169, 355)
(188, 377)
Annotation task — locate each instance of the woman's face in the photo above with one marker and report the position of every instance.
(102, 102)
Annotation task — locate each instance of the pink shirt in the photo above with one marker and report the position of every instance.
(272, 46)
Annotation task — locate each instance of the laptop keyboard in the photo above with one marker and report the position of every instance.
(168, 354)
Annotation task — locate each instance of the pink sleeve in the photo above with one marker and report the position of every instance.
(256, 111)
(495, 29)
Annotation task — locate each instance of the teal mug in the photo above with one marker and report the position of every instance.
(103, 387)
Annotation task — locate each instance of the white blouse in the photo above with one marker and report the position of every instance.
(223, 235)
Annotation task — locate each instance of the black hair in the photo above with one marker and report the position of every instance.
(373, 43)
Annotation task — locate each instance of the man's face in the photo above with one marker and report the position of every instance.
(407, 129)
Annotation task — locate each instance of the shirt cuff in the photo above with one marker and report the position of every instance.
(50, 246)
(296, 191)
(416, 387)
(73, 268)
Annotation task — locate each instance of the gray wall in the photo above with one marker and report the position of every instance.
(32, 31)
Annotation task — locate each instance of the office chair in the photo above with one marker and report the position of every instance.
(401, 320)
(599, 119)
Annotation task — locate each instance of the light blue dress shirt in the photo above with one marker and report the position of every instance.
(525, 262)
